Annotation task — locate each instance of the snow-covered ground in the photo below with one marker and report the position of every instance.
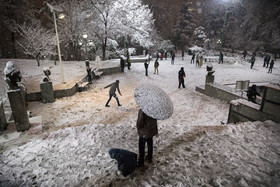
(192, 148)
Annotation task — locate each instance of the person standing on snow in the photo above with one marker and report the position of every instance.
(221, 58)
(146, 129)
(253, 59)
(146, 65)
(112, 92)
(172, 58)
(183, 54)
(89, 74)
(244, 54)
(156, 65)
(271, 66)
(193, 56)
(181, 76)
(264, 60)
(268, 60)
(122, 63)
(200, 61)
(197, 60)
(165, 55)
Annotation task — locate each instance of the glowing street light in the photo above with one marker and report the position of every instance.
(54, 9)
(87, 43)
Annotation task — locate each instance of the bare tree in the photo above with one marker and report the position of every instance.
(35, 40)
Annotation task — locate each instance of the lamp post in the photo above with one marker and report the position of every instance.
(223, 30)
(86, 43)
(61, 16)
(85, 37)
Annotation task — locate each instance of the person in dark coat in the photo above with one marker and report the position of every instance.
(271, 66)
(172, 58)
(193, 56)
(89, 74)
(264, 60)
(128, 60)
(126, 160)
(252, 61)
(181, 76)
(146, 129)
(183, 54)
(112, 92)
(221, 58)
(38, 57)
(146, 65)
(157, 55)
(165, 55)
(122, 62)
(252, 93)
(268, 60)
(244, 54)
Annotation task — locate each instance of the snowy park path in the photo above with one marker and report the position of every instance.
(192, 148)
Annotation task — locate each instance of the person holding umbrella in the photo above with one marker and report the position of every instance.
(154, 105)
(146, 128)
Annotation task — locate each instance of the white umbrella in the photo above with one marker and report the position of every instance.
(153, 101)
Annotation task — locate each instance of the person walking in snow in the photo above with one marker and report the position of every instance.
(172, 58)
(253, 59)
(197, 60)
(128, 60)
(200, 61)
(146, 129)
(146, 65)
(271, 66)
(89, 74)
(252, 93)
(193, 56)
(221, 58)
(112, 92)
(165, 55)
(244, 54)
(264, 60)
(122, 63)
(181, 76)
(268, 60)
(156, 65)
(183, 54)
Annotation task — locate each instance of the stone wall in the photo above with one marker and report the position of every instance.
(242, 110)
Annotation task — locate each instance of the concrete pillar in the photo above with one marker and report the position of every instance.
(3, 121)
(209, 78)
(19, 110)
(47, 92)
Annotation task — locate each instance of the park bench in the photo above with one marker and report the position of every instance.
(96, 73)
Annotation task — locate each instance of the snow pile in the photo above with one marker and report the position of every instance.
(232, 155)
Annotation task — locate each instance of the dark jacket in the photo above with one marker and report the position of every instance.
(146, 126)
(126, 160)
(146, 64)
(271, 64)
(252, 93)
(181, 74)
(114, 86)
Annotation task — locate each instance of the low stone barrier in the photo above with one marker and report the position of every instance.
(242, 110)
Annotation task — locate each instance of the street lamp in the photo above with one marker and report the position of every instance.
(224, 25)
(54, 9)
(87, 43)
